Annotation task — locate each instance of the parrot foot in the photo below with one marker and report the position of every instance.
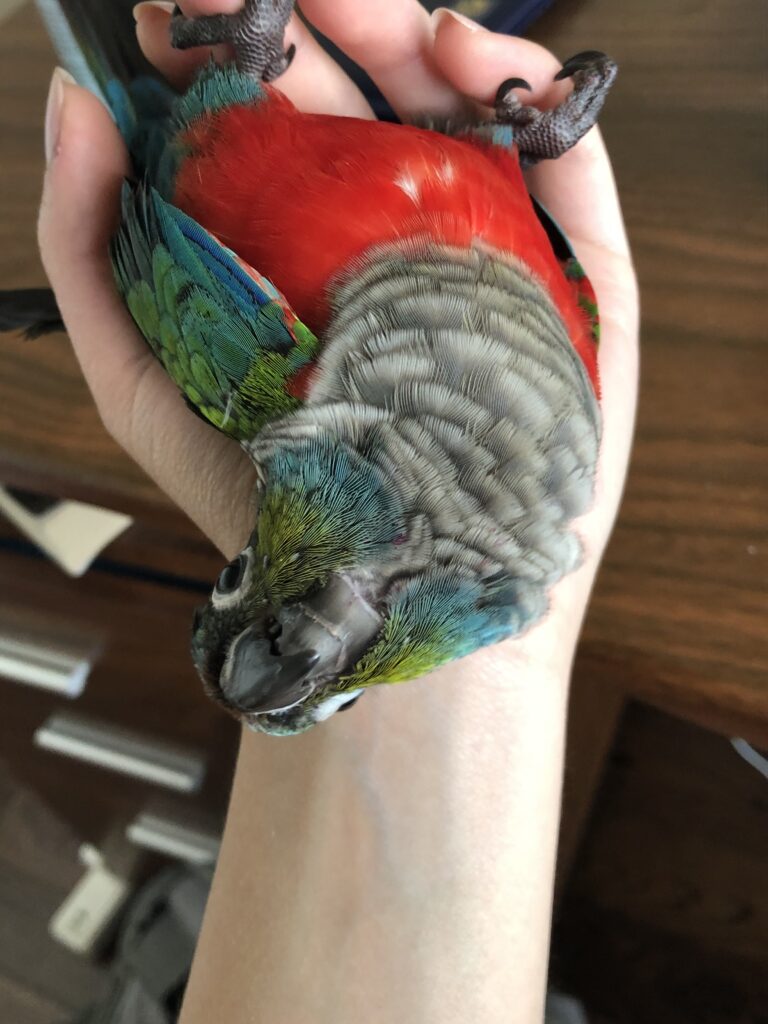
(255, 33)
(547, 134)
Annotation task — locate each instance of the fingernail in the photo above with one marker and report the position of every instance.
(56, 92)
(444, 12)
(160, 5)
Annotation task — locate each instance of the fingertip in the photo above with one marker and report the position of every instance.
(314, 82)
(192, 8)
(476, 61)
(146, 5)
(83, 180)
(79, 214)
(578, 188)
(392, 41)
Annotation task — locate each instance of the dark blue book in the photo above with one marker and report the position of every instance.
(511, 16)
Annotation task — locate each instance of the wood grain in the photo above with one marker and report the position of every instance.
(594, 717)
(51, 436)
(666, 916)
(679, 612)
(41, 982)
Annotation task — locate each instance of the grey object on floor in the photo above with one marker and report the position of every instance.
(156, 945)
(154, 950)
(562, 1009)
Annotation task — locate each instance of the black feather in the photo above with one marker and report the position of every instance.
(31, 310)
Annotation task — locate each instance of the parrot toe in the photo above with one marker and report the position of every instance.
(587, 60)
(547, 134)
(255, 33)
(506, 87)
(507, 102)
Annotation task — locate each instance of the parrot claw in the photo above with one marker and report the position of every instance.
(547, 134)
(505, 93)
(255, 33)
(583, 61)
(509, 109)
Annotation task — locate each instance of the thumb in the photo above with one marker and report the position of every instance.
(79, 212)
(204, 472)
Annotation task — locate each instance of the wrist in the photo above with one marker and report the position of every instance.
(400, 855)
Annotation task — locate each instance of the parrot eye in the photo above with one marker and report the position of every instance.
(230, 581)
(231, 575)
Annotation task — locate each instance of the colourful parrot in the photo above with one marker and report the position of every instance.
(397, 335)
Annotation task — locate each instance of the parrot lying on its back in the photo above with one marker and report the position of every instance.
(401, 341)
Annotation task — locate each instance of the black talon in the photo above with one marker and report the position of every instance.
(507, 86)
(580, 62)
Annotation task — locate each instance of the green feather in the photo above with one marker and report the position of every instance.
(223, 333)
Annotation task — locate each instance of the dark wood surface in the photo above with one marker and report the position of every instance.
(41, 982)
(666, 916)
(679, 613)
(50, 434)
(594, 718)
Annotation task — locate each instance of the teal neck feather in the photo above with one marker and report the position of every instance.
(216, 87)
(326, 509)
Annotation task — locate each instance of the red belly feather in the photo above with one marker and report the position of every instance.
(298, 196)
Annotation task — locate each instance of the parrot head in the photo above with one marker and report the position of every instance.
(293, 613)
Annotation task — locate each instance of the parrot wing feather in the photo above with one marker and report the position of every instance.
(224, 334)
(581, 287)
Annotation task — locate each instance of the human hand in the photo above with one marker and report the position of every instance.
(421, 64)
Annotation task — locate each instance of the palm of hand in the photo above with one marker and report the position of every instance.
(420, 67)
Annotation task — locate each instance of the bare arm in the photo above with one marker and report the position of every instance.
(394, 865)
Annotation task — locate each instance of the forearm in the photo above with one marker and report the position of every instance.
(394, 864)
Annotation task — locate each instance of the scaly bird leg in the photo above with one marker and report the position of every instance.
(255, 32)
(547, 134)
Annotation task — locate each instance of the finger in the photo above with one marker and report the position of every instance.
(78, 216)
(314, 81)
(392, 40)
(200, 470)
(578, 188)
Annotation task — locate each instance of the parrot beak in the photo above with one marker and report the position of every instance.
(256, 681)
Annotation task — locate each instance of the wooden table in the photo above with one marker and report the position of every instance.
(679, 616)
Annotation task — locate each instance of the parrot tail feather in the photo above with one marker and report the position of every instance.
(33, 311)
(96, 42)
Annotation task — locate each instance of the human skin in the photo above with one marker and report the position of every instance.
(396, 863)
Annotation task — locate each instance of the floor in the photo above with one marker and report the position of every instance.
(9, 6)
(40, 981)
(665, 919)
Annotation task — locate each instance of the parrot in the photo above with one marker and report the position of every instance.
(394, 330)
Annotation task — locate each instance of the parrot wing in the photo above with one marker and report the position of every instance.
(583, 292)
(224, 334)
